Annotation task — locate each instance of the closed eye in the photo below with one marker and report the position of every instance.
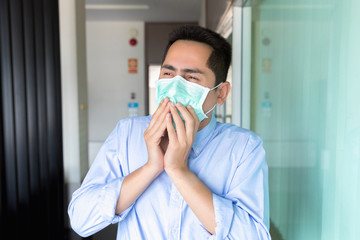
(167, 70)
(166, 73)
(192, 78)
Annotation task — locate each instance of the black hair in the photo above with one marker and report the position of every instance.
(220, 58)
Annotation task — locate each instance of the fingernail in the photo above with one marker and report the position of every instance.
(178, 104)
(172, 104)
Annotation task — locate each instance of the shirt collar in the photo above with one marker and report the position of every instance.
(202, 136)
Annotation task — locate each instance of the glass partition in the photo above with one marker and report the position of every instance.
(305, 106)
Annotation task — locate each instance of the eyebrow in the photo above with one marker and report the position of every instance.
(169, 67)
(186, 70)
(195, 70)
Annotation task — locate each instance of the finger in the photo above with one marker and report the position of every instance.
(196, 119)
(162, 127)
(159, 124)
(193, 113)
(160, 113)
(170, 128)
(154, 134)
(161, 107)
(188, 117)
(179, 124)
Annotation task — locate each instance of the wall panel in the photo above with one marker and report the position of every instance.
(31, 164)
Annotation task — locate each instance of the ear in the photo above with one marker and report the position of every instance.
(223, 92)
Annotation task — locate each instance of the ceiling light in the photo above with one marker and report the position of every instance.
(116, 7)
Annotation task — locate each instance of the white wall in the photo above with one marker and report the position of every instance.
(74, 92)
(109, 83)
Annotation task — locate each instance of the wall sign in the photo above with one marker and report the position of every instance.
(132, 65)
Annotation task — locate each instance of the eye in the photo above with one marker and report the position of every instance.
(192, 78)
(166, 74)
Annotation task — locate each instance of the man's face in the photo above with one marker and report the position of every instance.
(189, 60)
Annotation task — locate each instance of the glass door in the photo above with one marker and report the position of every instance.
(305, 97)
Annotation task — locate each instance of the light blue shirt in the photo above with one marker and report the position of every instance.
(228, 159)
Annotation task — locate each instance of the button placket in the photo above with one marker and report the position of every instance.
(175, 214)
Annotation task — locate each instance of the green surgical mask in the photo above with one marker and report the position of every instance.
(178, 89)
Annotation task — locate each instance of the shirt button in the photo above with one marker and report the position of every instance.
(197, 151)
(174, 231)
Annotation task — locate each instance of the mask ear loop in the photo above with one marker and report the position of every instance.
(216, 86)
(210, 109)
(215, 104)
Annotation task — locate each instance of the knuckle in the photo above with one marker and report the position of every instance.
(146, 138)
(183, 144)
(146, 135)
(191, 121)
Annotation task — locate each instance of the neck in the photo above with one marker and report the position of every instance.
(205, 122)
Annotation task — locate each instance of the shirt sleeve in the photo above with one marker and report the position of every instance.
(92, 206)
(243, 212)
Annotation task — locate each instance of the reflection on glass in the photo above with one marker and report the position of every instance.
(305, 106)
(154, 73)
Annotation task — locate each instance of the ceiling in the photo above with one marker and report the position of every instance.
(144, 10)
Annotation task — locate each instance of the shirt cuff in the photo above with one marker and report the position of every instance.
(109, 196)
(224, 213)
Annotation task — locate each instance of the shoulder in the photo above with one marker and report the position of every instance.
(237, 133)
(129, 126)
(142, 120)
(133, 123)
(242, 141)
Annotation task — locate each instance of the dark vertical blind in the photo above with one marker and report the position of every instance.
(31, 162)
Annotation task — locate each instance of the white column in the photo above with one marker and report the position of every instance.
(241, 62)
(74, 91)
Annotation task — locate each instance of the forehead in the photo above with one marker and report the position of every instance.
(189, 53)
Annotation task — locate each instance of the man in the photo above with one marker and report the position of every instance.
(173, 175)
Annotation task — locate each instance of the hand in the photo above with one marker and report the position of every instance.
(194, 191)
(136, 182)
(181, 141)
(153, 136)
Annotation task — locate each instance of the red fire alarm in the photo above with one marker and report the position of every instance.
(133, 42)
